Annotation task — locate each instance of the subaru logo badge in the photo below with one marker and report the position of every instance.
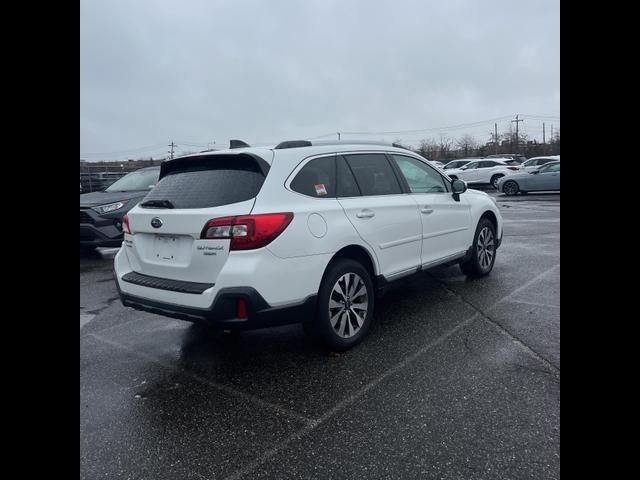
(156, 222)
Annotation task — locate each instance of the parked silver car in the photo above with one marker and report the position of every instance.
(546, 178)
(536, 162)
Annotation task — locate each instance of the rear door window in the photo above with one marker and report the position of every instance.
(204, 182)
(487, 164)
(373, 174)
(347, 186)
(317, 178)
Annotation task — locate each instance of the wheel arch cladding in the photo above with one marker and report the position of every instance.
(489, 215)
(359, 254)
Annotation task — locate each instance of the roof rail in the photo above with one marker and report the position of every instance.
(293, 144)
(238, 144)
(307, 143)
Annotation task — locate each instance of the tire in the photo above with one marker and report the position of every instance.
(510, 187)
(338, 328)
(494, 180)
(483, 251)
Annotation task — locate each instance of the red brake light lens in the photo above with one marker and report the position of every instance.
(247, 232)
(126, 228)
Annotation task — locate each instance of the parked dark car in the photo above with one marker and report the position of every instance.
(101, 212)
(98, 181)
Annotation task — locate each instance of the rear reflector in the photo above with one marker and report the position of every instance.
(126, 228)
(247, 232)
(241, 310)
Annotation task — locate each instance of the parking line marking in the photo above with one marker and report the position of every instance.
(251, 466)
(535, 304)
(113, 326)
(223, 388)
(526, 348)
(553, 220)
(526, 285)
(85, 318)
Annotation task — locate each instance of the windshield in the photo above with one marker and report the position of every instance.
(136, 181)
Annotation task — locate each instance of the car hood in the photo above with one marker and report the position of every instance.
(101, 198)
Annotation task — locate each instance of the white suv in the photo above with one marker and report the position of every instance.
(253, 237)
(485, 171)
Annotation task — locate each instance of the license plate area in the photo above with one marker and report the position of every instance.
(166, 248)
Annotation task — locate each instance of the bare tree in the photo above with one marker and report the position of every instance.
(467, 142)
(423, 148)
(444, 147)
(428, 149)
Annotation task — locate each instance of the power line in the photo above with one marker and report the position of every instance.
(131, 150)
(451, 127)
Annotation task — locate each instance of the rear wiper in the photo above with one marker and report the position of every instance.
(157, 204)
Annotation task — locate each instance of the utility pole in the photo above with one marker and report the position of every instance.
(495, 126)
(338, 135)
(544, 142)
(517, 122)
(172, 145)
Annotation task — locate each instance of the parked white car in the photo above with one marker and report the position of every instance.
(460, 162)
(485, 171)
(535, 163)
(252, 237)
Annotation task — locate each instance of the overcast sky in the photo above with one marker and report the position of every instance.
(203, 71)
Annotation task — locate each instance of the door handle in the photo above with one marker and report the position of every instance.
(426, 210)
(366, 213)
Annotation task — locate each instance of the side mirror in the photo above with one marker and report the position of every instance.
(535, 172)
(458, 187)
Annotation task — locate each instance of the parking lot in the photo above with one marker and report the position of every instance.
(457, 379)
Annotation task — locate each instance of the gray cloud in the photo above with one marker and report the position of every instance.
(200, 71)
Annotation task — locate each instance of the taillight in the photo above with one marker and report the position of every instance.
(126, 228)
(247, 232)
(513, 168)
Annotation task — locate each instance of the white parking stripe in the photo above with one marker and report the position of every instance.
(85, 318)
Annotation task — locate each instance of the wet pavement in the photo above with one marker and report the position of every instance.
(457, 379)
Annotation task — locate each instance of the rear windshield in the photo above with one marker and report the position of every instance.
(209, 182)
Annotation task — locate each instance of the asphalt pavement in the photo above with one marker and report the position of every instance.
(457, 379)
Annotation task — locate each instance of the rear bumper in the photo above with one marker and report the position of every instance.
(222, 313)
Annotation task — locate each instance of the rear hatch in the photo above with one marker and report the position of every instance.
(166, 226)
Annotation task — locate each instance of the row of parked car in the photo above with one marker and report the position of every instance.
(510, 174)
(102, 212)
